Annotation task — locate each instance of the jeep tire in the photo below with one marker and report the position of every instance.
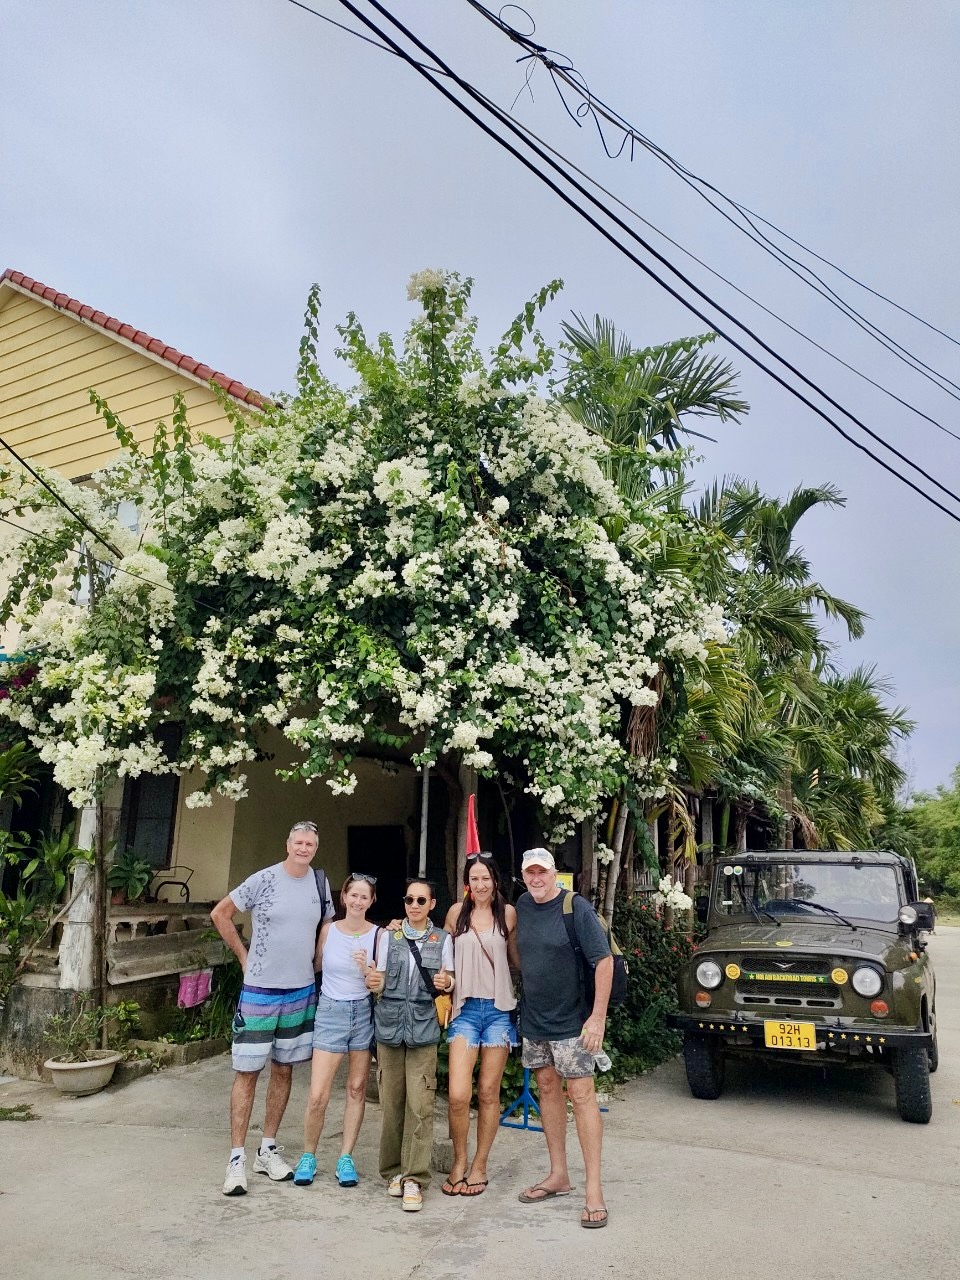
(911, 1078)
(703, 1057)
(933, 1052)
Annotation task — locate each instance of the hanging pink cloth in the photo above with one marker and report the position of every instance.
(194, 988)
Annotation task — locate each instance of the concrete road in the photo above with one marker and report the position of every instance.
(791, 1174)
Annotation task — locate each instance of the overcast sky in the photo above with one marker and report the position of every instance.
(192, 166)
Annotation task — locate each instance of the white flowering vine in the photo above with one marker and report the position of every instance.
(422, 562)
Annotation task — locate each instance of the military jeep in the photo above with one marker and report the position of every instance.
(812, 957)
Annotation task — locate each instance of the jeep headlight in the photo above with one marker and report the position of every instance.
(867, 982)
(907, 915)
(710, 975)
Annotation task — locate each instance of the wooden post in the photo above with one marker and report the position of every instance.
(706, 825)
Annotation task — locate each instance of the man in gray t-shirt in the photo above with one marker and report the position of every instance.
(274, 1018)
(562, 1039)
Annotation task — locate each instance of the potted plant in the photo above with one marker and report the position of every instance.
(128, 877)
(81, 1068)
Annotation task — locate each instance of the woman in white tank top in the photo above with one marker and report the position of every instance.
(346, 952)
(484, 936)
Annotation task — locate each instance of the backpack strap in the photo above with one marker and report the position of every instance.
(570, 922)
(323, 888)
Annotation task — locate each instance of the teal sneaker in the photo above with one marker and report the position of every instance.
(306, 1170)
(347, 1172)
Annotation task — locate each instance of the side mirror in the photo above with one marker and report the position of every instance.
(702, 905)
(917, 915)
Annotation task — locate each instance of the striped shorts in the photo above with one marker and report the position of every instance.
(273, 1022)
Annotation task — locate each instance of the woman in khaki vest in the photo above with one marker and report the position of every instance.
(484, 932)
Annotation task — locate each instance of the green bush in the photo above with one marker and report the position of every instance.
(638, 1037)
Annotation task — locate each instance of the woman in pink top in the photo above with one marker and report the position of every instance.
(484, 934)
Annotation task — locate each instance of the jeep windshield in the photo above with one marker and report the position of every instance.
(807, 891)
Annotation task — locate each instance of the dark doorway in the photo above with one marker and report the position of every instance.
(381, 852)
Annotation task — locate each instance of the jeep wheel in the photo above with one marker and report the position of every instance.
(911, 1077)
(933, 1051)
(703, 1058)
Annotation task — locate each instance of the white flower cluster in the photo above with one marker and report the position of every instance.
(672, 896)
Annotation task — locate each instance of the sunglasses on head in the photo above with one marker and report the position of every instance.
(410, 900)
(304, 826)
(362, 875)
(484, 857)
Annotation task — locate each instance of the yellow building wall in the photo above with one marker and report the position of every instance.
(229, 841)
(202, 840)
(264, 819)
(50, 359)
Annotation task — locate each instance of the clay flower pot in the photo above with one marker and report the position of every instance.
(80, 1078)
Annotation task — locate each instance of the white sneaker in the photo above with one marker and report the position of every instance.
(412, 1196)
(235, 1183)
(270, 1163)
(396, 1187)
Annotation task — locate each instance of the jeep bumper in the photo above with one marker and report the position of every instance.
(831, 1035)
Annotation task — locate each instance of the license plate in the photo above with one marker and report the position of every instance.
(790, 1035)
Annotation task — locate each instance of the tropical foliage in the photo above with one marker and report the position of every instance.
(933, 823)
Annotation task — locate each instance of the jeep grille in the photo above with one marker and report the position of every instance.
(773, 961)
(788, 995)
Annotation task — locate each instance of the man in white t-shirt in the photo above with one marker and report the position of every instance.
(274, 1018)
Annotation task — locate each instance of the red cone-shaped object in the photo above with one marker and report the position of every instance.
(473, 836)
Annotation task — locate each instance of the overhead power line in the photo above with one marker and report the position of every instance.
(61, 499)
(600, 112)
(501, 117)
(832, 355)
(108, 564)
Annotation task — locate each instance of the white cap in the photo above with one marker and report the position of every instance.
(538, 858)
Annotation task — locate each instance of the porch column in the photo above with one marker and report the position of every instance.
(78, 945)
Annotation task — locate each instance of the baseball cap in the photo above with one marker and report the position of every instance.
(538, 858)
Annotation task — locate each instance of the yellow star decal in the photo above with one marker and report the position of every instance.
(883, 1039)
(856, 1037)
(843, 1037)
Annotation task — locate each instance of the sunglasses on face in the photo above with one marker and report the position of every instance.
(361, 875)
(410, 900)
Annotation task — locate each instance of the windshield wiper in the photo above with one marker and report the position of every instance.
(808, 902)
(758, 911)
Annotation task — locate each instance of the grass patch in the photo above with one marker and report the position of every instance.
(22, 1111)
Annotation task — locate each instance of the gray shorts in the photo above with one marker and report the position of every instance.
(567, 1057)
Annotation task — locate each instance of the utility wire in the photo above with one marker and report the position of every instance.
(62, 500)
(503, 119)
(660, 232)
(730, 283)
(107, 564)
(598, 110)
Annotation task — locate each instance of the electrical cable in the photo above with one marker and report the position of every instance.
(643, 266)
(597, 109)
(730, 283)
(60, 498)
(676, 244)
(107, 564)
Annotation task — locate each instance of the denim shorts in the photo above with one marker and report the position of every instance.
(342, 1026)
(483, 1025)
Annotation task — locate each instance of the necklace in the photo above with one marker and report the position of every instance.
(415, 934)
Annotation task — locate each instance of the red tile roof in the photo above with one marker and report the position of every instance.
(153, 346)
